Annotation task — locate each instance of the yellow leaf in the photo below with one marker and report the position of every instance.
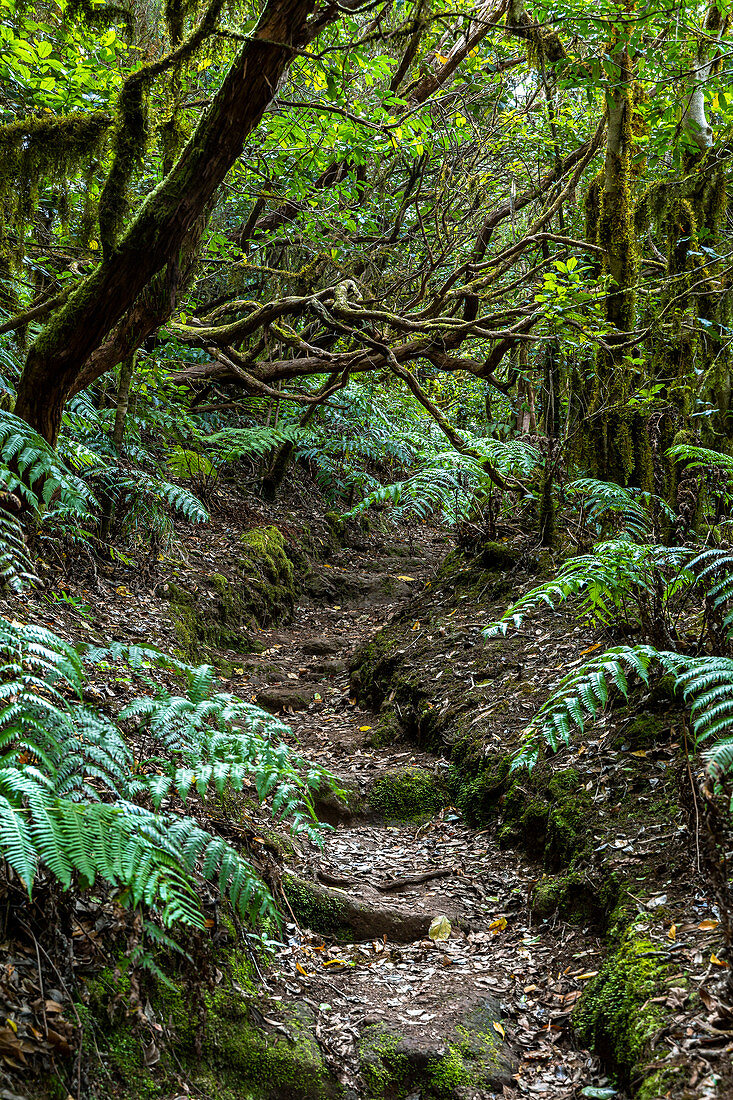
(364, 729)
(300, 969)
(719, 962)
(416, 626)
(498, 925)
(639, 752)
(94, 245)
(440, 928)
(403, 577)
(708, 925)
(500, 1029)
(590, 648)
(334, 962)
(672, 934)
(588, 974)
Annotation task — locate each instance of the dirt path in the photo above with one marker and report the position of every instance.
(483, 1013)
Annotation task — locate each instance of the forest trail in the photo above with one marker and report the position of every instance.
(492, 1001)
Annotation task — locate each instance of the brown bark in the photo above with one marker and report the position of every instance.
(161, 227)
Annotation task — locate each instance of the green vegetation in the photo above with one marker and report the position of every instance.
(618, 1014)
(407, 793)
(283, 276)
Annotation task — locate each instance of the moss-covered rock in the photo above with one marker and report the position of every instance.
(260, 1061)
(241, 1047)
(478, 781)
(338, 806)
(407, 793)
(567, 820)
(222, 612)
(617, 1015)
(314, 906)
(576, 894)
(338, 913)
(470, 1057)
(269, 575)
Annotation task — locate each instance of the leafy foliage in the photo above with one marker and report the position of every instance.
(620, 579)
(450, 483)
(72, 794)
(631, 511)
(705, 683)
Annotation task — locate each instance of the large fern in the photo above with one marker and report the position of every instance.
(74, 799)
(448, 482)
(632, 512)
(619, 578)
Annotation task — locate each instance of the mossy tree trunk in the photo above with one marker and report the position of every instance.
(611, 431)
(159, 231)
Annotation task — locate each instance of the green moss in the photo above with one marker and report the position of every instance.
(35, 150)
(262, 592)
(383, 1067)
(570, 808)
(387, 731)
(265, 1062)
(524, 819)
(659, 1083)
(616, 1015)
(644, 732)
(478, 781)
(130, 141)
(499, 556)
(407, 793)
(244, 1048)
(472, 1061)
(200, 628)
(393, 1066)
(337, 527)
(313, 908)
(547, 816)
(576, 895)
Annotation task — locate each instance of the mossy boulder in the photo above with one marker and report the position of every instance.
(407, 793)
(570, 809)
(338, 913)
(470, 1056)
(500, 556)
(546, 814)
(222, 611)
(243, 1047)
(478, 781)
(269, 574)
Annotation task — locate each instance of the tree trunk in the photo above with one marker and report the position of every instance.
(156, 236)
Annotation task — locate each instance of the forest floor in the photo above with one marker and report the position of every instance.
(497, 960)
(483, 1003)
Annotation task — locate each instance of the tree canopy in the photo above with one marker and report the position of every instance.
(289, 197)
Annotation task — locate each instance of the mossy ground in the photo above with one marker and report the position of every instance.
(472, 1058)
(224, 1046)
